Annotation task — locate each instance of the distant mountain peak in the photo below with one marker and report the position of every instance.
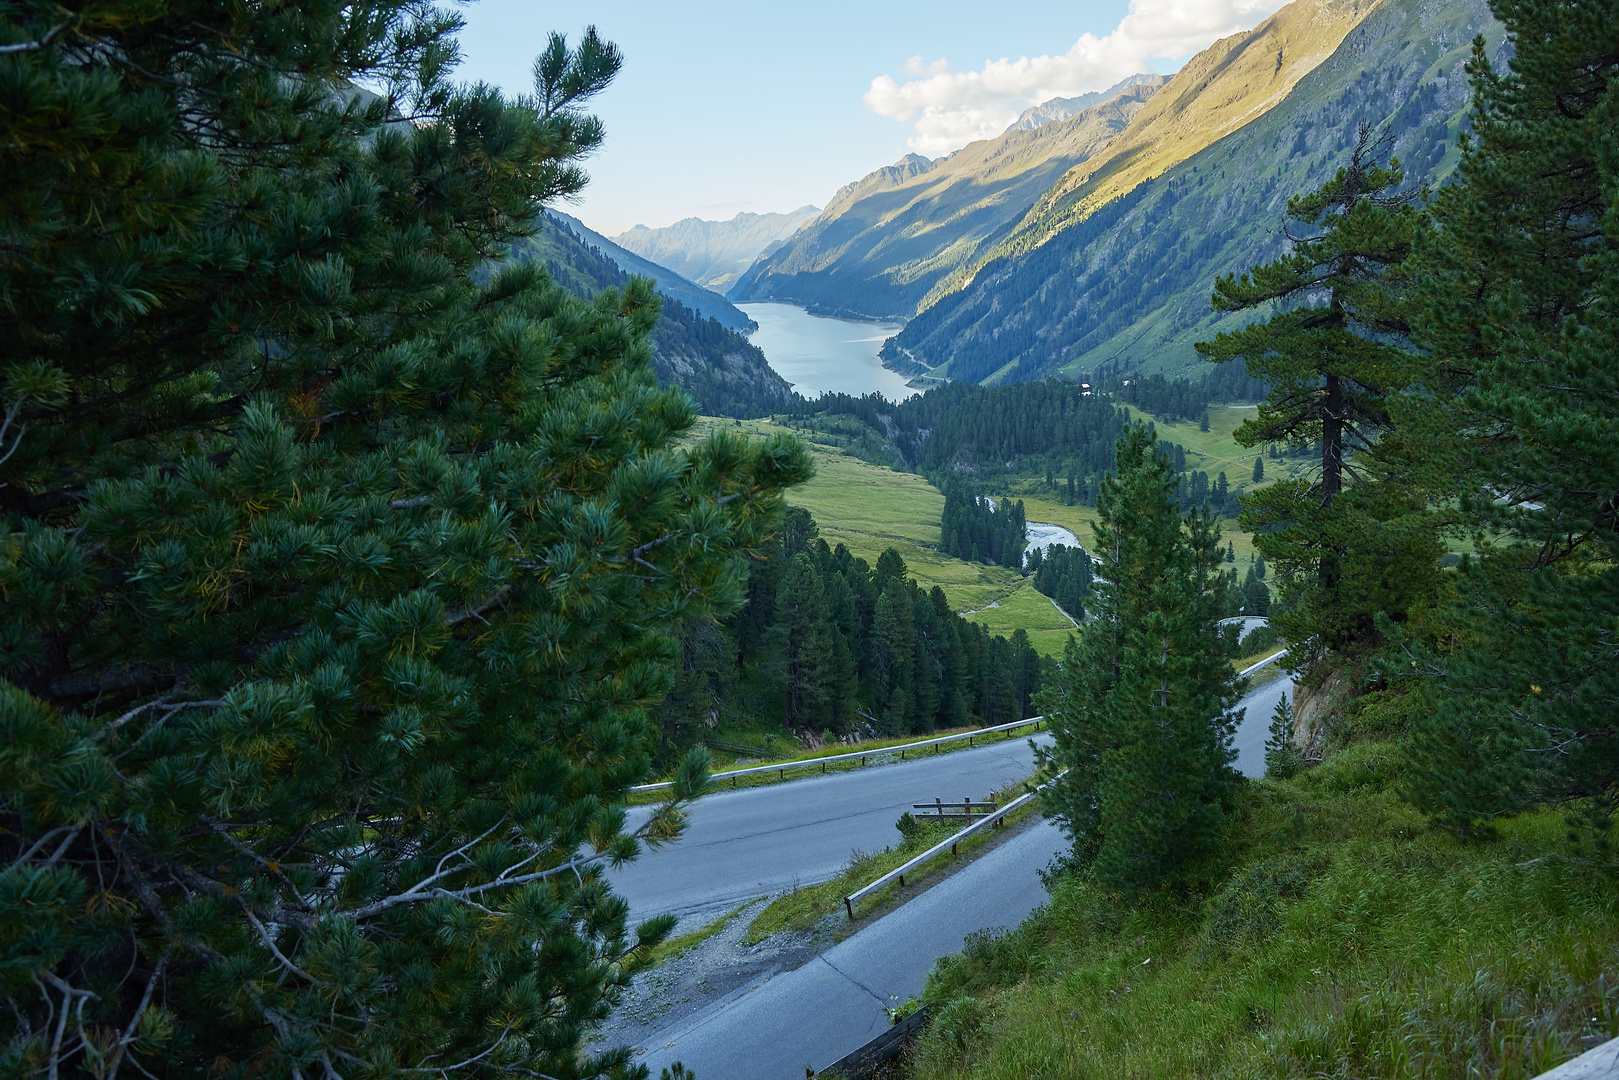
(714, 253)
(1061, 108)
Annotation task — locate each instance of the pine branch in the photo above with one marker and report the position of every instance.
(35, 46)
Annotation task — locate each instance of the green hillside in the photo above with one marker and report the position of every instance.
(870, 507)
(1128, 285)
(1220, 90)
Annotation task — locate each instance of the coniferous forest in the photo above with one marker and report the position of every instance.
(832, 646)
(981, 529)
(1064, 574)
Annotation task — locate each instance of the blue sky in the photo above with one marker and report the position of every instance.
(725, 107)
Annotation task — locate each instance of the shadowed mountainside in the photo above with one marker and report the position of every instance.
(705, 302)
(727, 375)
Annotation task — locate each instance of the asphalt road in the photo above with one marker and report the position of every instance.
(1255, 727)
(761, 841)
(775, 1028)
(746, 843)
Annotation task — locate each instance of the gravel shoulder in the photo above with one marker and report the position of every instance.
(661, 997)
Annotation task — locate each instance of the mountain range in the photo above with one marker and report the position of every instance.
(883, 243)
(1061, 108)
(1112, 268)
(1090, 243)
(714, 253)
(671, 283)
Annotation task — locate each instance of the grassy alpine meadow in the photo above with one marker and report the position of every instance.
(871, 508)
(1213, 452)
(1026, 608)
(1346, 937)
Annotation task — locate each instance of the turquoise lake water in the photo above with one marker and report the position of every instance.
(819, 355)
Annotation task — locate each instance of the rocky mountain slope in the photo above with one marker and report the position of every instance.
(883, 243)
(1128, 256)
(1062, 108)
(705, 302)
(715, 253)
(726, 374)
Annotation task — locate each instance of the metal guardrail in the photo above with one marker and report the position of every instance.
(1599, 1063)
(1247, 671)
(823, 762)
(866, 1061)
(983, 823)
(900, 749)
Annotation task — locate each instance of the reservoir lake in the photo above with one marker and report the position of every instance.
(819, 355)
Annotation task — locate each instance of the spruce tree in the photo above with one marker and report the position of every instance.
(803, 634)
(1139, 709)
(340, 568)
(1281, 759)
(1332, 356)
(893, 647)
(1522, 347)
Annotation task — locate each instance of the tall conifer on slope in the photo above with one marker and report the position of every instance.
(893, 648)
(334, 587)
(1139, 709)
(1520, 416)
(804, 632)
(1344, 547)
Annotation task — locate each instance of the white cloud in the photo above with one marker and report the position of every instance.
(950, 108)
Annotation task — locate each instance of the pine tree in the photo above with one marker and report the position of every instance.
(803, 634)
(1139, 708)
(341, 568)
(957, 681)
(1259, 468)
(1332, 358)
(1522, 345)
(893, 646)
(1281, 759)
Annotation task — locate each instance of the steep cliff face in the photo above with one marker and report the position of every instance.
(726, 374)
(1315, 710)
(1126, 284)
(884, 242)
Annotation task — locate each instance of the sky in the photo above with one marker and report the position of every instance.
(724, 107)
